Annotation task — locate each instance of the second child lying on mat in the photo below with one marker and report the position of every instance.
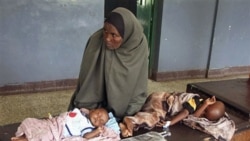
(159, 107)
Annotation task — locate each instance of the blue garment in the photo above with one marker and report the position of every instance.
(112, 123)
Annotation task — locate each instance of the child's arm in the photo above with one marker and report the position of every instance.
(180, 116)
(203, 107)
(95, 133)
(183, 114)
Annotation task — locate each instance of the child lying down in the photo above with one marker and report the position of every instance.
(206, 115)
(79, 124)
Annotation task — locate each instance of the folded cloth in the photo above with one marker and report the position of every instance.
(223, 129)
(112, 123)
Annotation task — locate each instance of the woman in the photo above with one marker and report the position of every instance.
(114, 68)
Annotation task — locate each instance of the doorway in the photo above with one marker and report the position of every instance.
(112, 4)
(148, 12)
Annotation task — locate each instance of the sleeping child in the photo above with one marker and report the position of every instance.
(159, 107)
(81, 123)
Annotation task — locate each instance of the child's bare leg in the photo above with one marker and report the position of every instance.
(130, 126)
(21, 138)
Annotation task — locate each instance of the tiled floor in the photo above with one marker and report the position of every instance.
(15, 108)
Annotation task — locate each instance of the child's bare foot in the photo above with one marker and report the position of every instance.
(130, 126)
(22, 138)
(124, 130)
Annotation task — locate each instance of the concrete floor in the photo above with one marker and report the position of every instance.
(15, 108)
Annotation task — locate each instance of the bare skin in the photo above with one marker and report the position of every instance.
(94, 133)
(98, 118)
(210, 109)
(124, 130)
(112, 37)
(22, 138)
(198, 113)
(126, 127)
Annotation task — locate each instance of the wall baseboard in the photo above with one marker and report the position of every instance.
(34, 87)
(45, 86)
(175, 75)
(214, 73)
(187, 74)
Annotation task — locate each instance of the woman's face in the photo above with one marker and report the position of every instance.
(112, 38)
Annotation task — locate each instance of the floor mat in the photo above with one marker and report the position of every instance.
(150, 136)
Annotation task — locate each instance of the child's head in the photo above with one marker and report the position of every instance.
(98, 117)
(215, 111)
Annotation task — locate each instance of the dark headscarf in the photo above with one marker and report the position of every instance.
(114, 79)
(116, 20)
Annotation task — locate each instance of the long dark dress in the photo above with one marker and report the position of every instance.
(114, 79)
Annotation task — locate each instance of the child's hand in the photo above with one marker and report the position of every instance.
(210, 101)
(193, 124)
(101, 129)
(84, 111)
(161, 123)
